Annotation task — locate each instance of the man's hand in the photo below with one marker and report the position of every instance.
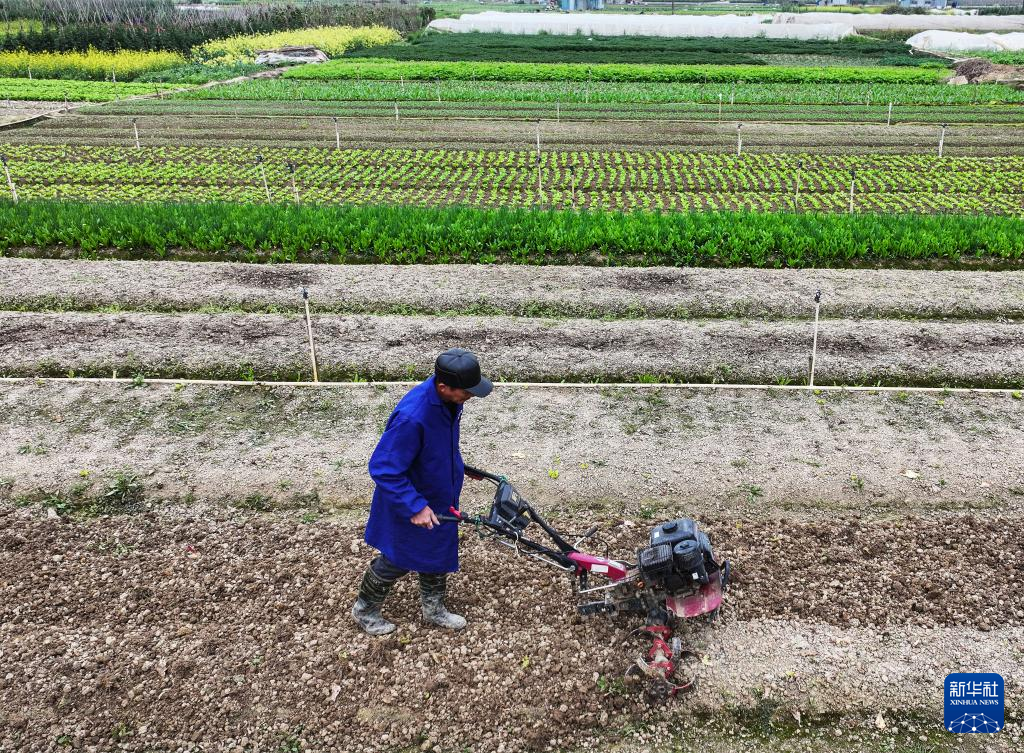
(425, 518)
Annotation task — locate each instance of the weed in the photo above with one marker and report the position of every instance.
(124, 493)
(856, 482)
(121, 732)
(612, 686)
(753, 492)
(310, 517)
(33, 449)
(255, 502)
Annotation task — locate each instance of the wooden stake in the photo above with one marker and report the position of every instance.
(888, 120)
(337, 135)
(739, 139)
(720, 98)
(396, 112)
(135, 129)
(853, 182)
(942, 138)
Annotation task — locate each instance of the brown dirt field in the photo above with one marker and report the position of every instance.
(238, 346)
(11, 111)
(840, 138)
(577, 291)
(205, 630)
(617, 451)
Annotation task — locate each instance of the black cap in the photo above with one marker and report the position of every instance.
(457, 367)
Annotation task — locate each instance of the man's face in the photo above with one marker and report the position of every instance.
(455, 395)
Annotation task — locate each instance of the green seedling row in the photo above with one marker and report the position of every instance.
(406, 234)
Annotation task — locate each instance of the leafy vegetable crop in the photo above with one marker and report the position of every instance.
(422, 235)
(469, 71)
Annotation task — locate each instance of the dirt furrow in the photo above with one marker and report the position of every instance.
(432, 133)
(572, 291)
(240, 346)
(161, 631)
(636, 451)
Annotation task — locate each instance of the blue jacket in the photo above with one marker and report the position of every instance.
(417, 463)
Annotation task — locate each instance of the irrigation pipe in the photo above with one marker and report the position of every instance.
(531, 385)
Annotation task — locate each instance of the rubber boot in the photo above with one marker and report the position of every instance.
(366, 611)
(432, 591)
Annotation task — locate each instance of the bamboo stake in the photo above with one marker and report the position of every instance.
(942, 138)
(309, 333)
(796, 197)
(853, 182)
(739, 139)
(337, 135)
(396, 112)
(295, 190)
(888, 120)
(135, 129)
(263, 174)
(10, 183)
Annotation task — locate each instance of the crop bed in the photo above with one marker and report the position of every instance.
(270, 346)
(506, 134)
(699, 112)
(501, 178)
(80, 91)
(58, 285)
(609, 93)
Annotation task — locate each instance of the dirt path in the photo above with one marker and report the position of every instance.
(427, 133)
(171, 630)
(575, 291)
(268, 346)
(638, 451)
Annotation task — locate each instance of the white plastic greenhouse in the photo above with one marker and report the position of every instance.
(653, 25)
(952, 41)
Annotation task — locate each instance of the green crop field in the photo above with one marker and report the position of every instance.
(489, 71)
(284, 232)
(553, 48)
(625, 181)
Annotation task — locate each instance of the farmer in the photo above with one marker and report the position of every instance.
(418, 471)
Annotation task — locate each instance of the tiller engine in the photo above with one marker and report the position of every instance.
(675, 576)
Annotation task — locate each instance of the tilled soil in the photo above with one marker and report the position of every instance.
(202, 629)
(639, 451)
(427, 133)
(577, 291)
(267, 346)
